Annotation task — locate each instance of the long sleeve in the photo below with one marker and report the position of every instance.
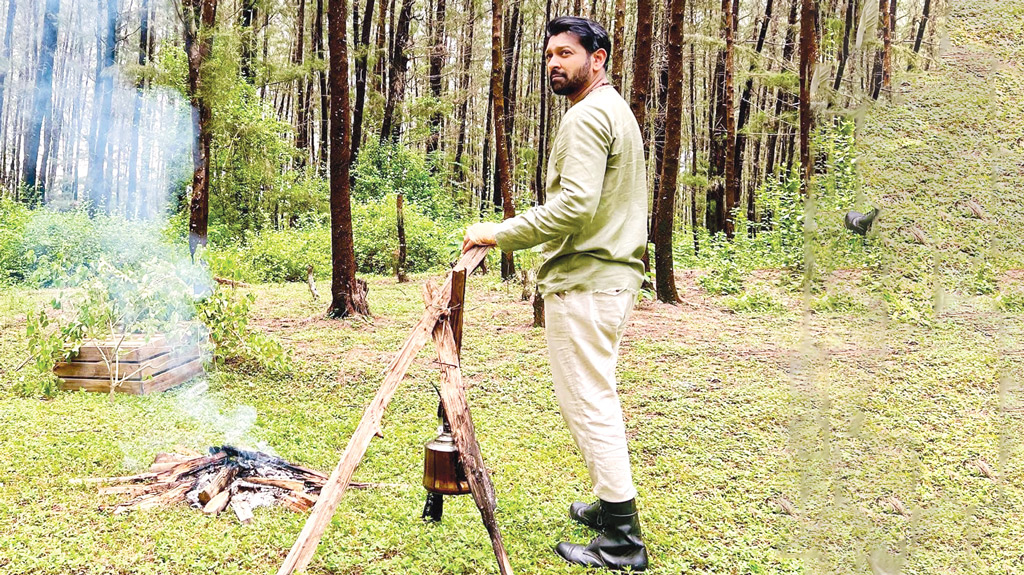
(580, 158)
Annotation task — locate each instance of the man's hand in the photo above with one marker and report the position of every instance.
(481, 234)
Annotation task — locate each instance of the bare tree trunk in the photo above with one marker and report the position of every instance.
(42, 99)
(732, 183)
(640, 95)
(301, 103)
(200, 19)
(878, 78)
(12, 9)
(248, 41)
(925, 15)
(348, 295)
(318, 53)
(808, 56)
(437, 58)
(392, 129)
(361, 60)
(463, 112)
(618, 43)
(663, 264)
(133, 159)
(402, 252)
(744, 114)
(844, 52)
(503, 173)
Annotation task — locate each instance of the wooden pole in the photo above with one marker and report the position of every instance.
(330, 495)
(455, 406)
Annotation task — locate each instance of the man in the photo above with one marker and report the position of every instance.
(594, 231)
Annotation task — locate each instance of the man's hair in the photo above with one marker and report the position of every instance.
(591, 35)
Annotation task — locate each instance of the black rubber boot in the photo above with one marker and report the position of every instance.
(618, 547)
(589, 515)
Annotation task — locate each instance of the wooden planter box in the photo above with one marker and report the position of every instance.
(142, 366)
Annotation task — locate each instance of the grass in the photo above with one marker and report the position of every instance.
(725, 412)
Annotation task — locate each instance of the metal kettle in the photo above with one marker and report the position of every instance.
(443, 473)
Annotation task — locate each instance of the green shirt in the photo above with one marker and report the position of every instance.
(593, 229)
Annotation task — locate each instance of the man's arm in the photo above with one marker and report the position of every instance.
(587, 142)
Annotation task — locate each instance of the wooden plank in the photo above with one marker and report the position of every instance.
(305, 546)
(165, 380)
(136, 371)
(289, 484)
(134, 348)
(464, 434)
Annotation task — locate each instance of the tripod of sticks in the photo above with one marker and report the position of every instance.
(442, 322)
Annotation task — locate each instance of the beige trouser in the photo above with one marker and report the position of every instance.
(583, 333)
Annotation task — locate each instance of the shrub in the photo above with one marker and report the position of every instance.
(15, 261)
(284, 255)
(386, 170)
(429, 241)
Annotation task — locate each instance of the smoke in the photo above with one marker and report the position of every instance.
(127, 153)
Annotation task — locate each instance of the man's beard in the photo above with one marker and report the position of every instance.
(570, 83)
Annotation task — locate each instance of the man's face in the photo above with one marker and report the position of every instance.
(569, 64)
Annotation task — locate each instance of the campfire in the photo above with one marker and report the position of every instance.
(227, 477)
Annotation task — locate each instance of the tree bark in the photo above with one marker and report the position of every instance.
(640, 94)
(844, 51)
(618, 44)
(42, 99)
(437, 58)
(301, 103)
(361, 60)
(348, 295)
(248, 41)
(745, 104)
(318, 53)
(133, 202)
(663, 264)
(391, 128)
(925, 15)
(12, 9)
(463, 112)
(200, 19)
(808, 56)
(732, 183)
(503, 172)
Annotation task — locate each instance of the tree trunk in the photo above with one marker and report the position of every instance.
(437, 58)
(503, 172)
(401, 254)
(619, 43)
(133, 158)
(878, 78)
(808, 56)
(42, 99)
(392, 129)
(12, 9)
(301, 103)
(663, 264)
(844, 52)
(361, 60)
(925, 15)
(744, 114)
(348, 295)
(732, 183)
(200, 19)
(463, 112)
(248, 40)
(318, 53)
(639, 95)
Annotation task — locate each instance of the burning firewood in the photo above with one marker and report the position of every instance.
(227, 477)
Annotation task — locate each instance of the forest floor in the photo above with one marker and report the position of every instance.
(771, 442)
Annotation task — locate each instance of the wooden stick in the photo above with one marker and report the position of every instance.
(302, 551)
(455, 406)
